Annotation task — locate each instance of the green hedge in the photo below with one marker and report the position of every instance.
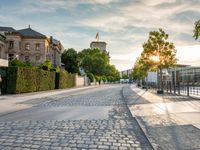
(23, 80)
(65, 80)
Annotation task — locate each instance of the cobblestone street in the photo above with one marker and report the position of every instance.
(92, 119)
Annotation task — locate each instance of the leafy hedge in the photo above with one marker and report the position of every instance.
(22, 80)
(65, 80)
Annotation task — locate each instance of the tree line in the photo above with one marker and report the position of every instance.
(94, 63)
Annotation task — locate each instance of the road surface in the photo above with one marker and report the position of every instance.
(96, 118)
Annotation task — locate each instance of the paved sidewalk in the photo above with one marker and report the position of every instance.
(15, 102)
(169, 121)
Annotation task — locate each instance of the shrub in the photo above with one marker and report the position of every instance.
(65, 80)
(22, 80)
(18, 63)
(47, 65)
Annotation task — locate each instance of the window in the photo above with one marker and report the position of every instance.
(37, 46)
(26, 58)
(47, 49)
(10, 56)
(37, 58)
(11, 44)
(27, 46)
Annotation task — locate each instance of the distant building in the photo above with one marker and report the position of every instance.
(127, 72)
(98, 44)
(31, 46)
(171, 74)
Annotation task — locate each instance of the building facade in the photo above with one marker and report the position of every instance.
(127, 73)
(3, 55)
(28, 45)
(56, 50)
(98, 44)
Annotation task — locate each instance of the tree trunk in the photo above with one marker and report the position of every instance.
(161, 81)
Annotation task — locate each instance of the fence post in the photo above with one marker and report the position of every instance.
(174, 88)
(178, 83)
(167, 86)
(170, 87)
(188, 89)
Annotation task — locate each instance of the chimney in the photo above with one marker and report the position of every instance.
(29, 26)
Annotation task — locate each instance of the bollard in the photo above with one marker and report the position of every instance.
(178, 88)
(188, 89)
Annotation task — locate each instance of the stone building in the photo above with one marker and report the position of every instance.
(98, 44)
(3, 55)
(12, 38)
(31, 46)
(56, 50)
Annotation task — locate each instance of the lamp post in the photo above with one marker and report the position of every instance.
(156, 59)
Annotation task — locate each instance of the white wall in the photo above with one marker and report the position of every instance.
(3, 62)
(80, 80)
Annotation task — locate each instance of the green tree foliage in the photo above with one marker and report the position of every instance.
(125, 76)
(70, 59)
(140, 70)
(158, 47)
(112, 74)
(18, 63)
(47, 65)
(97, 63)
(90, 76)
(94, 61)
(196, 30)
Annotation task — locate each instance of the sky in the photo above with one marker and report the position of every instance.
(123, 24)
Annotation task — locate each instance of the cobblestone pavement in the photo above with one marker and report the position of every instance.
(117, 130)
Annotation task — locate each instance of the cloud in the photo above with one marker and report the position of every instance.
(123, 24)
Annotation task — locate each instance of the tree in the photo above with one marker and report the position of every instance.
(140, 69)
(97, 63)
(90, 76)
(196, 30)
(70, 60)
(157, 54)
(93, 61)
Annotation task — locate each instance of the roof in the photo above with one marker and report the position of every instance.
(28, 32)
(55, 41)
(8, 29)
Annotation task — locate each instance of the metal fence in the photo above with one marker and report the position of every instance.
(179, 88)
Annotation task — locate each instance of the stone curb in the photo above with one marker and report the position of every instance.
(128, 98)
